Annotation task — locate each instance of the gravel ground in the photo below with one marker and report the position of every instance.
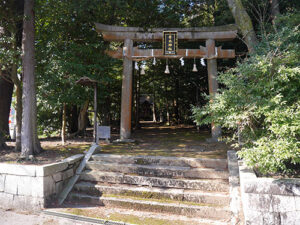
(24, 218)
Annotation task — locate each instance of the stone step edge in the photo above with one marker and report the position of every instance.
(155, 204)
(196, 196)
(148, 201)
(154, 189)
(213, 180)
(147, 193)
(102, 157)
(219, 185)
(159, 171)
(159, 167)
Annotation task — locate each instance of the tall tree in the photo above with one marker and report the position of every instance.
(243, 20)
(6, 91)
(30, 143)
(11, 15)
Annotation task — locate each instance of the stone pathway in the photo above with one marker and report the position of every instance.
(25, 218)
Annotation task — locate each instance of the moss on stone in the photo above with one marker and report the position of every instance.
(157, 198)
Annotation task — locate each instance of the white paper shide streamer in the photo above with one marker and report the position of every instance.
(202, 62)
(182, 61)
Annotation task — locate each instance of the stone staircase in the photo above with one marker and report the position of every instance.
(190, 187)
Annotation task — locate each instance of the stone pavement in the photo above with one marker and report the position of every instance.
(25, 218)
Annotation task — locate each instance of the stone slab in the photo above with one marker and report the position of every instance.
(11, 184)
(63, 195)
(23, 170)
(30, 186)
(74, 158)
(51, 169)
(57, 176)
(153, 192)
(49, 186)
(67, 174)
(2, 182)
(159, 170)
(153, 206)
(234, 188)
(269, 200)
(290, 218)
(28, 203)
(162, 160)
(119, 178)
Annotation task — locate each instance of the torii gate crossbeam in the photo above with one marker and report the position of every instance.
(129, 54)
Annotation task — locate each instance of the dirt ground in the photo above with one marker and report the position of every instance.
(181, 141)
(10, 217)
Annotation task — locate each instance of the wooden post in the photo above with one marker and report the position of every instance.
(138, 88)
(125, 129)
(95, 113)
(63, 127)
(212, 82)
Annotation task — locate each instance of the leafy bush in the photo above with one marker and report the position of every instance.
(262, 98)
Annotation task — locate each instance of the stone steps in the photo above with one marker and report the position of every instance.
(219, 164)
(201, 211)
(178, 186)
(100, 189)
(159, 170)
(215, 185)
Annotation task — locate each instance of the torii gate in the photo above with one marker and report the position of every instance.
(129, 54)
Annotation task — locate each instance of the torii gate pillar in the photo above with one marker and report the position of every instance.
(212, 71)
(125, 127)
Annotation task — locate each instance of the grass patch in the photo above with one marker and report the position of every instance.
(125, 218)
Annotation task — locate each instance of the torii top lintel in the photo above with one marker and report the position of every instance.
(118, 33)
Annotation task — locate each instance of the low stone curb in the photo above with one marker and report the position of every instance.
(234, 188)
(83, 218)
(269, 200)
(33, 187)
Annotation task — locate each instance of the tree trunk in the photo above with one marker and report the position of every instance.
(18, 85)
(72, 118)
(63, 127)
(2, 142)
(6, 91)
(18, 117)
(242, 19)
(274, 10)
(30, 144)
(82, 122)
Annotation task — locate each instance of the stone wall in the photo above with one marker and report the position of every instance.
(33, 187)
(269, 201)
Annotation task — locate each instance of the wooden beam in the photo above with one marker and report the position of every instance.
(143, 54)
(117, 33)
(157, 36)
(112, 28)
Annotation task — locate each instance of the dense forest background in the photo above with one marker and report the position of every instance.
(67, 47)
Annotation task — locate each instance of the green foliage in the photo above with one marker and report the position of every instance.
(262, 97)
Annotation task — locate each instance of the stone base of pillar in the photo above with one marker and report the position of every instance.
(213, 140)
(124, 141)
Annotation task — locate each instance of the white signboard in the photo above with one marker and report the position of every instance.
(103, 132)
